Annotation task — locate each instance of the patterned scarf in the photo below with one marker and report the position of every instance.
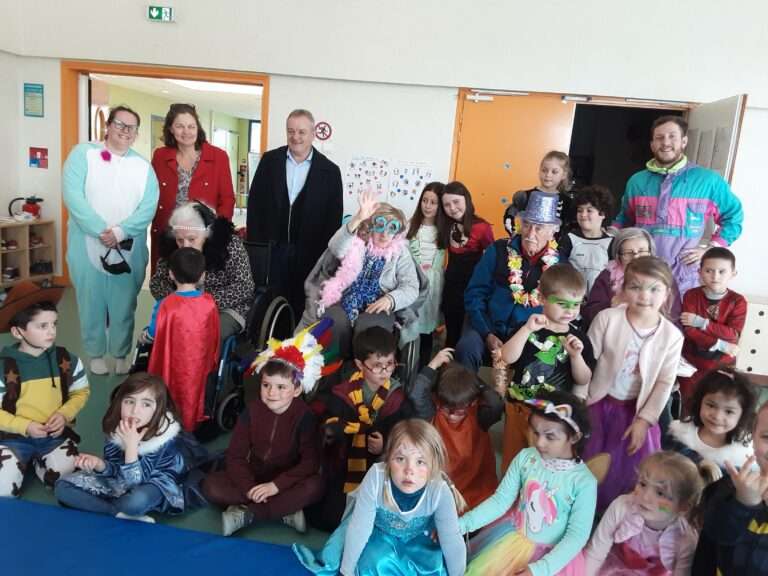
(365, 289)
(358, 457)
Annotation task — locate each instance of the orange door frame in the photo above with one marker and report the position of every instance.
(70, 112)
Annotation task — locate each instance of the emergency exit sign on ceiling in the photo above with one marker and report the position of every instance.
(160, 13)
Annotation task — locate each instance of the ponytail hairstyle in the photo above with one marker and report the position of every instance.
(681, 478)
(427, 439)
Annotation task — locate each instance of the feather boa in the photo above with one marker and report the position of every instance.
(616, 270)
(351, 265)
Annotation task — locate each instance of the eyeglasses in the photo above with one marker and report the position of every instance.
(123, 127)
(383, 226)
(563, 303)
(634, 253)
(382, 368)
(458, 411)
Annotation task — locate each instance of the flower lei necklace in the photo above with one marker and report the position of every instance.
(515, 265)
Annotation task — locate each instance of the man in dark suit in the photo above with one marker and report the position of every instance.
(296, 203)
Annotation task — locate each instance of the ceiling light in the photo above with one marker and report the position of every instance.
(252, 89)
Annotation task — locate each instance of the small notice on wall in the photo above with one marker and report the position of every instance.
(38, 157)
(33, 100)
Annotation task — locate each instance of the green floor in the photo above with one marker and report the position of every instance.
(89, 428)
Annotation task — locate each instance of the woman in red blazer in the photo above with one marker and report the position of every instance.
(188, 168)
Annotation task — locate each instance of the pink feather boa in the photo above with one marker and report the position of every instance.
(352, 265)
(616, 270)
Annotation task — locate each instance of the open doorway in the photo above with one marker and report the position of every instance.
(610, 143)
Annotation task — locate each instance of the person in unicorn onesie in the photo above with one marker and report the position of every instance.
(375, 276)
(673, 199)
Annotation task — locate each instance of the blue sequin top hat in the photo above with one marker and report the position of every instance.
(541, 208)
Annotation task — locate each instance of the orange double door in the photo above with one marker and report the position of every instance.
(500, 141)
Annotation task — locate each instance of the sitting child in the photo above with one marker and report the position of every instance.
(734, 539)
(713, 317)
(358, 416)
(143, 464)
(547, 352)
(463, 409)
(375, 280)
(586, 246)
(43, 388)
(646, 531)
(541, 515)
(273, 462)
(400, 503)
(718, 427)
(185, 332)
(628, 244)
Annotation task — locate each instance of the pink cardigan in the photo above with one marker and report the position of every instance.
(610, 333)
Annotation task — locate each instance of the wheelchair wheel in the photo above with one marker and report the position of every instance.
(278, 322)
(228, 411)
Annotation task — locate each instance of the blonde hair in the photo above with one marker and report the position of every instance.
(565, 183)
(427, 439)
(389, 212)
(681, 477)
(656, 268)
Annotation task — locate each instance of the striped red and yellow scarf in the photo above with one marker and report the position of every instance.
(358, 457)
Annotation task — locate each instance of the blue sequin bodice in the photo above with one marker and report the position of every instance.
(394, 524)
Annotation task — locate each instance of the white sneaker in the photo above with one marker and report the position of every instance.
(234, 518)
(296, 521)
(99, 366)
(145, 518)
(122, 365)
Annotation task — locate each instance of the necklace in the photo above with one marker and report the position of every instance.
(637, 332)
(515, 265)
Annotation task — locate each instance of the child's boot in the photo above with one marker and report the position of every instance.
(234, 518)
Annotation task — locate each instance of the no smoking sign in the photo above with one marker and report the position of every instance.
(323, 131)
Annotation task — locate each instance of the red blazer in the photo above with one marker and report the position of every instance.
(211, 183)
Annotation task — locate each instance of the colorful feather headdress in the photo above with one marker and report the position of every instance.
(307, 353)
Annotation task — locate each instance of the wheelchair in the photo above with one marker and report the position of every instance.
(270, 316)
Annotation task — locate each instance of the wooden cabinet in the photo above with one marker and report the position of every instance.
(27, 251)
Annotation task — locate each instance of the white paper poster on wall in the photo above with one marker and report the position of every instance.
(398, 183)
(406, 183)
(363, 173)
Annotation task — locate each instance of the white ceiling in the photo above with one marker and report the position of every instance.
(227, 102)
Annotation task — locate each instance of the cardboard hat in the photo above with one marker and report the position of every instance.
(541, 208)
(24, 294)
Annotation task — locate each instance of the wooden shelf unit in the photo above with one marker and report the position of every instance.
(35, 241)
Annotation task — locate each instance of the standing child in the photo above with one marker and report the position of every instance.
(554, 177)
(713, 317)
(586, 246)
(466, 236)
(401, 501)
(637, 351)
(185, 331)
(734, 539)
(547, 353)
(359, 414)
(427, 244)
(273, 462)
(647, 532)
(463, 409)
(628, 244)
(543, 509)
(43, 388)
(718, 428)
(143, 465)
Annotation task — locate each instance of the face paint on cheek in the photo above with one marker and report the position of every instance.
(665, 509)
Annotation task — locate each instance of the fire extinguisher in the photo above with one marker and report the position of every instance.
(31, 206)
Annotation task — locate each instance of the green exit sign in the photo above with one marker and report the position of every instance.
(160, 13)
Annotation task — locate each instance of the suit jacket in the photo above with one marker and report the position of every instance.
(310, 222)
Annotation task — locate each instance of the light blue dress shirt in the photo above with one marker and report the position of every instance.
(296, 174)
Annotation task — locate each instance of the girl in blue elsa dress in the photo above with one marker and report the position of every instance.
(391, 516)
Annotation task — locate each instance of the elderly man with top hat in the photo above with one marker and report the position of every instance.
(503, 291)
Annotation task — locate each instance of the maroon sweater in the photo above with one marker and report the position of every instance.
(269, 447)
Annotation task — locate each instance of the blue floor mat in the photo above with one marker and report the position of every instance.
(40, 539)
